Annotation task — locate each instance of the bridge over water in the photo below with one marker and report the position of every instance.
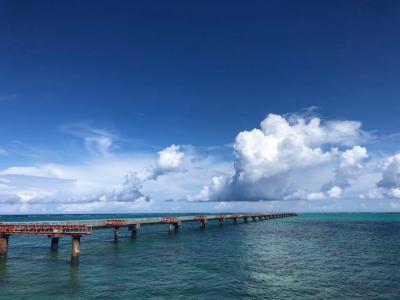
(78, 228)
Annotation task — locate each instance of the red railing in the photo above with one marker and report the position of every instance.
(32, 229)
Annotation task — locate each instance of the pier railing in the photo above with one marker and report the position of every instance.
(78, 228)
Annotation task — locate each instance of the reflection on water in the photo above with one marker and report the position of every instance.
(74, 276)
(326, 256)
(3, 269)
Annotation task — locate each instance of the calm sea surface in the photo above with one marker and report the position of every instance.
(312, 256)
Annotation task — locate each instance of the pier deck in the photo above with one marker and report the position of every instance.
(78, 228)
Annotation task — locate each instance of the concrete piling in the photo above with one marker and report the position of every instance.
(174, 226)
(3, 245)
(76, 249)
(56, 231)
(116, 234)
(54, 243)
(203, 224)
(134, 230)
(177, 225)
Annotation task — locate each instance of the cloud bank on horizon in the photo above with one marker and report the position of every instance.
(270, 162)
(288, 158)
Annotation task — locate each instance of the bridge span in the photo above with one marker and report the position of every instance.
(78, 228)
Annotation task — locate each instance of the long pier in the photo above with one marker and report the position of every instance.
(78, 228)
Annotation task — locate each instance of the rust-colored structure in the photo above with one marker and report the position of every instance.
(77, 229)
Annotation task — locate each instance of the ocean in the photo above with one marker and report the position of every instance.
(311, 256)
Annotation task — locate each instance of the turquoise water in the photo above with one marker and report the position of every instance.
(311, 256)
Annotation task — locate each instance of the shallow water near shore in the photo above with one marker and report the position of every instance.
(311, 256)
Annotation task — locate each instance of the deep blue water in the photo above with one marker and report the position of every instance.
(311, 256)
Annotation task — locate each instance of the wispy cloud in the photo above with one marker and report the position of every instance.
(96, 141)
(59, 184)
(3, 152)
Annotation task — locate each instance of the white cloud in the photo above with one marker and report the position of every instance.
(94, 182)
(335, 192)
(288, 158)
(47, 170)
(98, 142)
(315, 196)
(217, 186)
(391, 173)
(349, 168)
(271, 162)
(130, 191)
(395, 192)
(389, 184)
(170, 159)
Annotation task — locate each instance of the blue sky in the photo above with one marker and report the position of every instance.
(95, 90)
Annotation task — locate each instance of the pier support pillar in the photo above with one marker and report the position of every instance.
(174, 226)
(3, 245)
(177, 225)
(116, 234)
(254, 219)
(76, 249)
(221, 222)
(203, 224)
(54, 243)
(134, 229)
(234, 220)
(245, 220)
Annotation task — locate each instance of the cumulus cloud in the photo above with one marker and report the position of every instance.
(391, 173)
(389, 185)
(169, 160)
(349, 169)
(47, 184)
(272, 161)
(289, 157)
(335, 192)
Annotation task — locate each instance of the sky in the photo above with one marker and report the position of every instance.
(210, 106)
